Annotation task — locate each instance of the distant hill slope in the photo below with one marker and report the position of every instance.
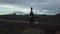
(41, 18)
(15, 17)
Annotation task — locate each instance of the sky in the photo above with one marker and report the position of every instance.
(49, 7)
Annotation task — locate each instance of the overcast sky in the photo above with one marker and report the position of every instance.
(49, 7)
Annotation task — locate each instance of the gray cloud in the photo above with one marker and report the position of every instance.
(53, 6)
(35, 3)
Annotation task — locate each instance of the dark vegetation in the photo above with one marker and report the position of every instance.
(19, 30)
(41, 18)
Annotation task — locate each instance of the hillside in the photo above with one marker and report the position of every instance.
(41, 18)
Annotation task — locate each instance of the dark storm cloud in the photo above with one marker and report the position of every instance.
(28, 3)
(49, 5)
(39, 3)
(35, 3)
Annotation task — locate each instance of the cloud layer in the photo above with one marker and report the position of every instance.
(49, 7)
